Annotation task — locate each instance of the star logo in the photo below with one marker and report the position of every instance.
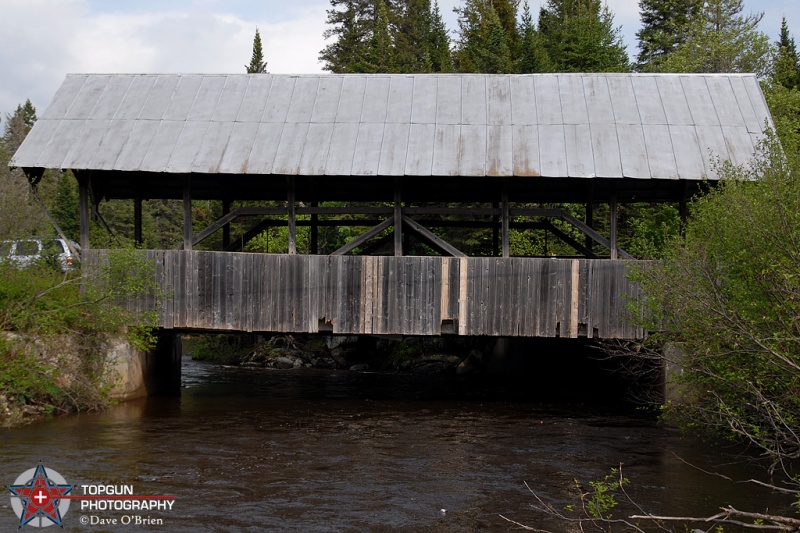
(38, 494)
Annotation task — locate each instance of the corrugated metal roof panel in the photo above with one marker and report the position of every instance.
(64, 97)
(366, 152)
(132, 103)
(559, 125)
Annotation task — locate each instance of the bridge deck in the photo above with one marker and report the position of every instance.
(529, 297)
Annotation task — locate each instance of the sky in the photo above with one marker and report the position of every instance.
(41, 41)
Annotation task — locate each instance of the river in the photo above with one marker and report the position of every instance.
(249, 449)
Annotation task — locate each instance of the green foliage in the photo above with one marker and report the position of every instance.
(258, 64)
(729, 296)
(485, 43)
(721, 39)
(600, 499)
(225, 348)
(787, 62)
(665, 24)
(579, 36)
(66, 316)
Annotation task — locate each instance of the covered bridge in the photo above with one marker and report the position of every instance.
(401, 148)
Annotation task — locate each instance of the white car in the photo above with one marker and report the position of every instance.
(34, 250)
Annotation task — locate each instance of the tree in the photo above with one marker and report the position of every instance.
(579, 36)
(484, 43)
(441, 57)
(787, 63)
(721, 39)
(664, 27)
(19, 215)
(728, 295)
(258, 64)
(351, 23)
(532, 56)
(379, 56)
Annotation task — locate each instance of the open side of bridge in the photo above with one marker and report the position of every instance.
(396, 157)
(470, 296)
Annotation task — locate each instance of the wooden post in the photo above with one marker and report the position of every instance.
(589, 223)
(226, 229)
(613, 209)
(292, 217)
(83, 201)
(495, 232)
(137, 219)
(506, 220)
(187, 213)
(314, 230)
(398, 220)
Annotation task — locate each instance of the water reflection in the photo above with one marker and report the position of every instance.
(249, 449)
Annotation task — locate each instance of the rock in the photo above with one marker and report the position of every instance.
(341, 341)
(359, 368)
(284, 362)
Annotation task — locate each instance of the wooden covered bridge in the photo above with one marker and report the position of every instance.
(403, 154)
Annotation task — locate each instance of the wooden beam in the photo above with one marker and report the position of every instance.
(496, 232)
(226, 229)
(567, 239)
(291, 218)
(613, 225)
(187, 213)
(83, 202)
(433, 239)
(506, 219)
(398, 220)
(592, 233)
(358, 241)
(314, 231)
(589, 224)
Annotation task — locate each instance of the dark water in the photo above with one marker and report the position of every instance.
(252, 449)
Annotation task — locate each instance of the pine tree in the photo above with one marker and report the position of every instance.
(20, 216)
(257, 63)
(484, 44)
(787, 63)
(441, 56)
(379, 56)
(350, 23)
(579, 36)
(532, 56)
(664, 26)
(412, 37)
(721, 39)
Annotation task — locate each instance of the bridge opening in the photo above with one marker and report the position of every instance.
(552, 371)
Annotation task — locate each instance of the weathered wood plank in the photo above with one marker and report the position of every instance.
(391, 295)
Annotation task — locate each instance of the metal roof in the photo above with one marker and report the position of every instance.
(667, 126)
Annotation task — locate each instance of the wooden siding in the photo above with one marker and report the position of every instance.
(525, 297)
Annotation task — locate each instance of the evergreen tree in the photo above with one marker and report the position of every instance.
(379, 55)
(787, 63)
(721, 39)
(484, 44)
(441, 56)
(532, 56)
(350, 23)
(412, 37)
(65, 208)
(579, 36)
(20, 216)
(257, 63)
(664, 26)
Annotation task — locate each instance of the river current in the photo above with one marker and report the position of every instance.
(250, 449)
